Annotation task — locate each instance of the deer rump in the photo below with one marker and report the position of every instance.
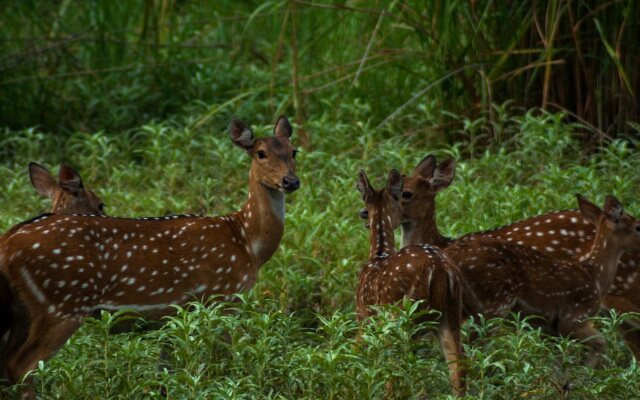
(437, 285)
(505, 278)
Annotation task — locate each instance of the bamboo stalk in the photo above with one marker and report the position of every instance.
(298, 99)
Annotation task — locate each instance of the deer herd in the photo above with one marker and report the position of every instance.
(563, 267)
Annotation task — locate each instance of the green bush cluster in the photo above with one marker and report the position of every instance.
(294, 334)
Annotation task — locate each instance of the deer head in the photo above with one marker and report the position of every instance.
(386, 200)
(68, 195)
(421, 188)
(418, 201)
(384, 211)
(620, 229)
(273, 157)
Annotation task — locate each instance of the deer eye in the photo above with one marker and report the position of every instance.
(295, 153)
(407, 195)
(261, 154)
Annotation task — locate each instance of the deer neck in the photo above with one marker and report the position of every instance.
(602, 261)
(261, 219)
(424, 231)
(381, 239)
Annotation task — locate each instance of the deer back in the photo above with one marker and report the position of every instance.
(416, 272)
(73, 265)
(501, 277)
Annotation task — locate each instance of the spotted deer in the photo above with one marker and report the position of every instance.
(68, 196)
(562, 235)
(501, 277)
(63, 267)
(416, 272)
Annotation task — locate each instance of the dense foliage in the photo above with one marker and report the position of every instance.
(294, 334)
(89, 65)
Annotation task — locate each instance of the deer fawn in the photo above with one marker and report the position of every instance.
(562, 235)
(68, 196)
(417, 272)
(501, 277)
(62, 268)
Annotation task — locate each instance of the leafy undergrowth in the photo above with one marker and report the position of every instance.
(294, 335)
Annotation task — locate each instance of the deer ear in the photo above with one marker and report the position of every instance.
(395, 182)
(41, 179)
(426, 167)
(364, 187)
(241, 134)
(612, 208)
(69, 179)
(283, 128)
(589, 211)
(443, 175)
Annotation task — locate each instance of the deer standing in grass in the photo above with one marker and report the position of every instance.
(62, 268)
(416, 272)
(502, 277)
(68, 196)
(562, 235)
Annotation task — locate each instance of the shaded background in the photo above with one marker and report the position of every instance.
(441, 68)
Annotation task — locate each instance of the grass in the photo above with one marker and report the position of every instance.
(293, 335)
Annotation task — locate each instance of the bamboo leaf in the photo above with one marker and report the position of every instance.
(614, 57)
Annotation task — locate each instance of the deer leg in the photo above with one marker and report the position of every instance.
(630, 329)
(17, 335)
(6, 312)
(46, 335)
(584, 330)
(451, 345)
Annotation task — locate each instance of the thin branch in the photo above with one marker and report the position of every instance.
(517, 71)
(368, 49)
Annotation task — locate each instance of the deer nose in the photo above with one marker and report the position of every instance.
(364, 213)
(290, 183)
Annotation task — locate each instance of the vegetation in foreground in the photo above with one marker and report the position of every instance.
(293, 335)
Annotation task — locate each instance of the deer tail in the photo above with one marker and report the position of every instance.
(445, 296)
